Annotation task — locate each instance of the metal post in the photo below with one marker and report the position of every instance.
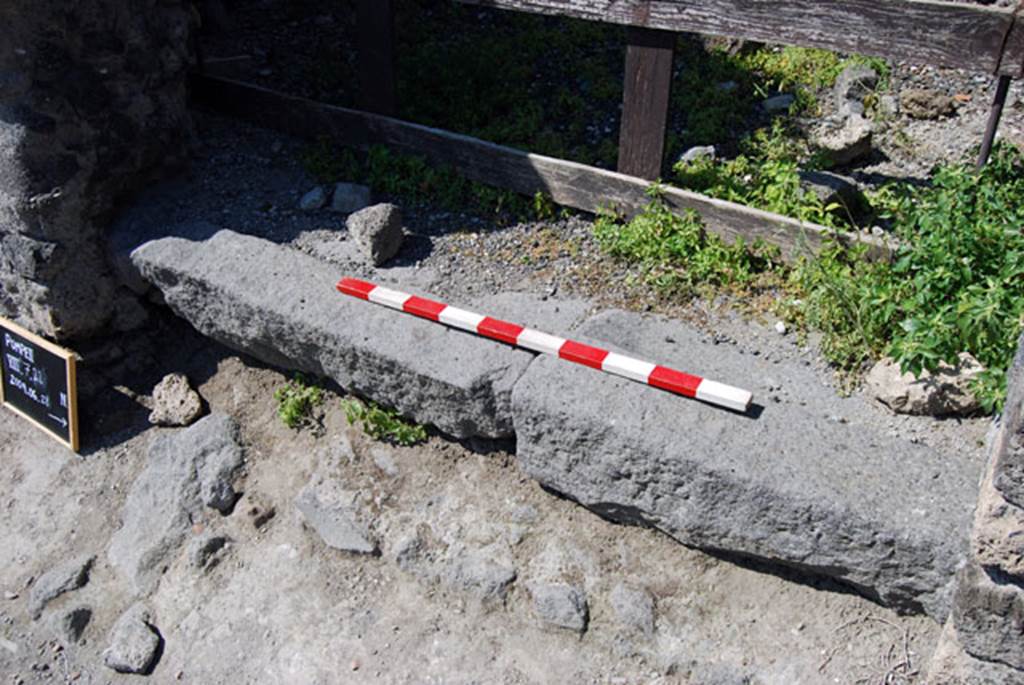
(995, 113)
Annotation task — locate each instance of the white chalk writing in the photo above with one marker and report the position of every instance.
(31, 393)
(19, 348)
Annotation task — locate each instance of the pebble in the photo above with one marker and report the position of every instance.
(10, 595)
(780, 328)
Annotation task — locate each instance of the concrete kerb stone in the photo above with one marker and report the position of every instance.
(790, 487)
(279, 305)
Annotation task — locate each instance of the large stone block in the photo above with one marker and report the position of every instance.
(280, 306)
(790, 483)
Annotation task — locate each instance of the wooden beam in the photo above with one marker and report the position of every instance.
(645, 101)
(568, 183)
(949, 34)
(375, 44)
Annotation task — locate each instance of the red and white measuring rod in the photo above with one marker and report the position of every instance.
(662, 377)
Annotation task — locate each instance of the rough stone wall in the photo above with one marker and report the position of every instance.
(92, 103)
(984, 639)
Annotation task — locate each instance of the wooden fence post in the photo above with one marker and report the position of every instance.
(645, 101)
(375, 29)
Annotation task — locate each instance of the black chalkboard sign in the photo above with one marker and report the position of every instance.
(39, 382)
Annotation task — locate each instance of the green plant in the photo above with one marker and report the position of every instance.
(676, 254)
(383, 424)
(296, 401)
(803, 71)
(955, 284)
(766, 176)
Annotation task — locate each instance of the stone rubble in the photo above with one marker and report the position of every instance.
(69, 576)
(174, 402)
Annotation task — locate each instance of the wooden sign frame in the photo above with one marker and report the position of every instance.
(69, 364)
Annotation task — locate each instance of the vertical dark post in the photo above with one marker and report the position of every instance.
(645, 101)
(375, 27)
(994, 115)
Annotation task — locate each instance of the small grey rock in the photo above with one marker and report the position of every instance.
(134, 642)
(480, 574)
(175, 403)
(922, 103)
(333, 513)
(947, 391)
(313, 200)
(853, 84)
(780, 328)
(349, 197)
(847, 143)
(833, 188)
(71, 624)
(561, 605)
(698, 152)
(888, 106)
(851, 108)
(205, 551)
(69, 576)
(778, 103)
(377, 231)
(634, 608)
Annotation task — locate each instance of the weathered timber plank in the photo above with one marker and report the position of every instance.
(375, 29)
(921, 31)
(645, 101)
(568, 183)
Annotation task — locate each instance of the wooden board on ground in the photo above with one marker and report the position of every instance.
(568, 183)
(38, 382)
(948, 34)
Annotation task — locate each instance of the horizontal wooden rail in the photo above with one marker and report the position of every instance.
(568, 183)
(947, 34)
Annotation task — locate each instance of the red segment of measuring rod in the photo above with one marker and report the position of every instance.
(421, 306)
(674, 381)
(499, 330)
(582, 354)
(355, 288)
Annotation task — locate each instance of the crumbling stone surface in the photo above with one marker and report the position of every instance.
(983, 639)
(92, 104)
(70, 575)
(186, 470)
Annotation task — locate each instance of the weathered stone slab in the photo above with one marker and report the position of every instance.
(280, 306)
(795, 485)
(185, 471)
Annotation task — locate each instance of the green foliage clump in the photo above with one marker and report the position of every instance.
(677, 255)
(383, 424)
(955, 284)
(803, 71)
(296, 401)
(766, 175)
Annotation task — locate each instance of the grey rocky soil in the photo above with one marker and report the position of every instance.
(465, 536)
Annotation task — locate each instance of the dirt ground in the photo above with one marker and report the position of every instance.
(281, 607)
